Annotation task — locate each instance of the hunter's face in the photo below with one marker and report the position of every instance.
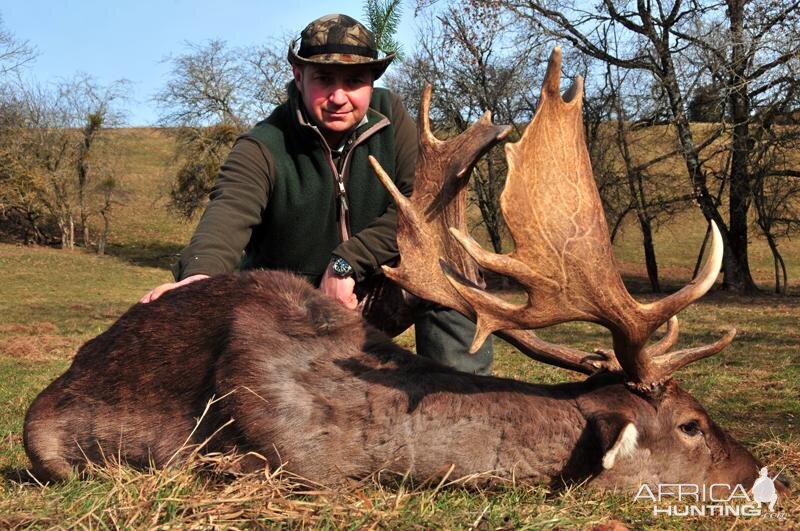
(336, 98)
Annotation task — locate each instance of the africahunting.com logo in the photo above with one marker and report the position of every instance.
(688, 499)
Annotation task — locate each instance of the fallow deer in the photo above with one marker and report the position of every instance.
(294, 377)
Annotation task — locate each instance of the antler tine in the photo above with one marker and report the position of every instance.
(672, 361)
(563, 254)
(438, 202)
(424, 118)
(666, 342)
(562, 356)
(699, 285)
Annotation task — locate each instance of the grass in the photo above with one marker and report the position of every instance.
(54, 300)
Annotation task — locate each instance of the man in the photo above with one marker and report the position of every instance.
(296, 192)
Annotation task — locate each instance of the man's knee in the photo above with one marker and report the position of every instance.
(445, 336)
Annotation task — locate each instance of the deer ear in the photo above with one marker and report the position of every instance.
(617, 435)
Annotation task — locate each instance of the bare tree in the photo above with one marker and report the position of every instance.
(461, 52)
(14, 53)
(214, 93)
(213, 83)
(55, 135)
(93, 108)
(111, 192)
(776, 185)
(752, 43)
(266, 74)
(47, 155)
(204, 87)
(19, 217)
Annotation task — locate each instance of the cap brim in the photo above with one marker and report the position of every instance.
(378, 66)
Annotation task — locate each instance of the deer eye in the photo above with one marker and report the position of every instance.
(691, 428)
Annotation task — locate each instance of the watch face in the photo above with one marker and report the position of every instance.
(341, 267)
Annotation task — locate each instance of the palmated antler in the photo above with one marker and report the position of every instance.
(563, 255)
(439, 203)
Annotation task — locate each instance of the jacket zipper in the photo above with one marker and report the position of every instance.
(341, 191)
(344, 226)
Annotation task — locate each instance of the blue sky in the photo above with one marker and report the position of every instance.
(110, 39)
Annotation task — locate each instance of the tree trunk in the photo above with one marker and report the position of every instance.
(67, 225)
(82, 179)
(94, 122)
(636, 189)
(486, 189)
(738, 100)
(618, 223)
(779, 265)
(703, 246)
(101, 242)
(650, 254)
(735, 277)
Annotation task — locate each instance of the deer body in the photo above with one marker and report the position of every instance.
(309, 385)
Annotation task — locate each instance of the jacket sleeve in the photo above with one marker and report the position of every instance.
(236, 203)
(376, 245)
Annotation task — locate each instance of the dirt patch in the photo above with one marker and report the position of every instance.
(40, 347)
(31, 329)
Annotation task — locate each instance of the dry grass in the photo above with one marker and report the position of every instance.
(203, 493)
(37, 347)
(35, 342)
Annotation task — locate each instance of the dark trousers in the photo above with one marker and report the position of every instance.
(442, 335)
(445, 336)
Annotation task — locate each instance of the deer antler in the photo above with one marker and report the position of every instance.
(438, 203)
(563, 254)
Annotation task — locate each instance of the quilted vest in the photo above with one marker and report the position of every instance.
(300, 225)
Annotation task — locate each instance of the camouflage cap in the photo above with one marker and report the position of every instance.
(338, 40)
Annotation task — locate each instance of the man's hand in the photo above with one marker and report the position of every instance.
(340, 288)
(158, 291)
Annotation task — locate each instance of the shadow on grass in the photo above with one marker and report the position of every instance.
(147, 254)
(17, 475)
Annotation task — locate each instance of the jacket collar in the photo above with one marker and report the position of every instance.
(371, 119)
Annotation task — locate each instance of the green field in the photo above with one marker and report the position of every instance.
(53, 300)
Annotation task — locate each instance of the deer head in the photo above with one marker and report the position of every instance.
(562, 255)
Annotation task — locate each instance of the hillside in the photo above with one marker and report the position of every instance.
(145, 232)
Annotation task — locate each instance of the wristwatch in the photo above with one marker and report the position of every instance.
(340, 267)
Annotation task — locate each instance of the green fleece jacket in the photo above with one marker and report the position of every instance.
(275, 203)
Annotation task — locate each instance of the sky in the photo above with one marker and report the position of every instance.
(116, 39)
